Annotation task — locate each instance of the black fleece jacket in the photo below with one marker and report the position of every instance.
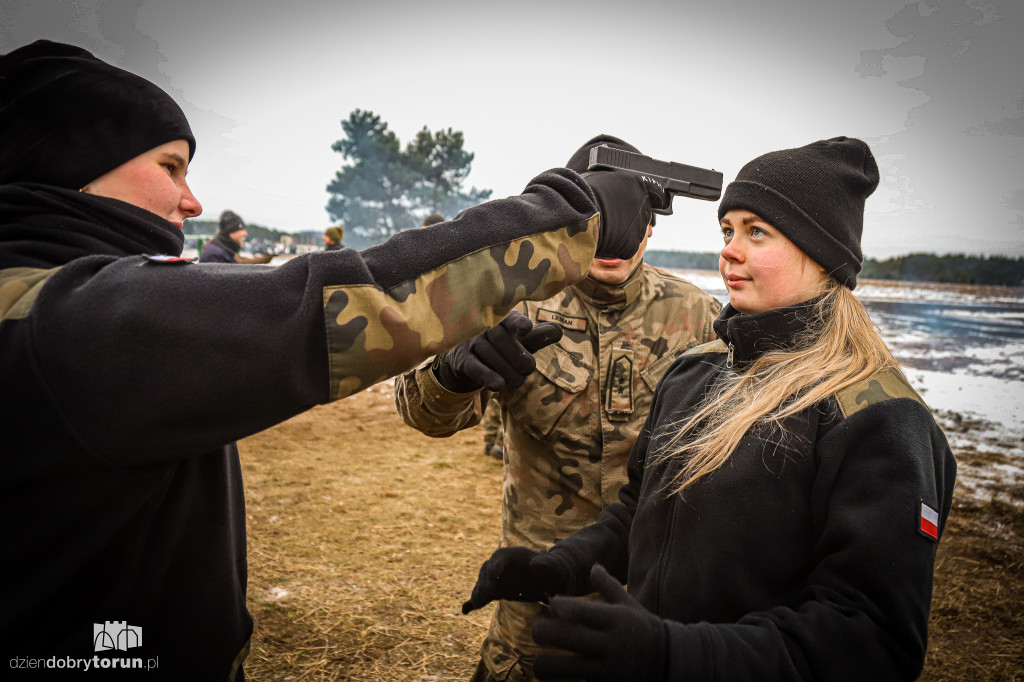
(800, 558)
(127, 376)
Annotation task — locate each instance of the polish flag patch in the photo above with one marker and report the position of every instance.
(929, 522)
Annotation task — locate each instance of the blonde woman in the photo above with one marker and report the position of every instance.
(789, 489)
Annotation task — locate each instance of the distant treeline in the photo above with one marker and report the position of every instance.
(916, 267)
(954, 269)
(682, 260)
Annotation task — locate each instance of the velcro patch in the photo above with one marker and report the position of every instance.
(928, 525)
(576, 324)
(620, 384)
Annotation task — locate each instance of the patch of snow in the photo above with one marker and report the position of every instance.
(988, 398)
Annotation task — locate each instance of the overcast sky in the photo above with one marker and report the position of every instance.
(935, 87)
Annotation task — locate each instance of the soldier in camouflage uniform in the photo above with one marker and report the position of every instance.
(569, 428)
(129, 372)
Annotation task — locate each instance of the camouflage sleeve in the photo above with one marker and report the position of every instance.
(438, 286)
(433, 410)
(712, 307)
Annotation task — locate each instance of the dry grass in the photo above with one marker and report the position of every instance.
(977, 623)
(376, 533)
(365, 537)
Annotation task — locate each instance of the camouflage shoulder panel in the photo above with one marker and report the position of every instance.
(888, 384)
(716, 346)
(18, 290)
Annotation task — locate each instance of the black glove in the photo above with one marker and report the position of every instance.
(500, 357)
(625, 201)
(619, 640)
(517, 574)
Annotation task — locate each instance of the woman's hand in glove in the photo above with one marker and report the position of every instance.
(617, 640)
(517, 574)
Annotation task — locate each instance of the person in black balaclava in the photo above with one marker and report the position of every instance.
(129, 372)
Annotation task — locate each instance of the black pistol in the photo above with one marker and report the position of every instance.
(673, 178)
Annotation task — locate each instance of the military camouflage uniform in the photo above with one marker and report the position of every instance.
(570, 427)
(494, 435)
(128, 376)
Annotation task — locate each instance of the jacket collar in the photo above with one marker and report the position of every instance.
(44, 227)
(601, 295)
(750, 336)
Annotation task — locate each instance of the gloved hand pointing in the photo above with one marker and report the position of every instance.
(499, 358)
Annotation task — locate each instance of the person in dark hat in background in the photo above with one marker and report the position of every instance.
(787, 494)
(333, 237)
(128, 372)
(226, 244)
(568, 426)
(432, 219)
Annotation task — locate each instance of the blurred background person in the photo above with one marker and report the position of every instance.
(333, 237)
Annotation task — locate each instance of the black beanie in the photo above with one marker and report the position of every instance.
(580, 159)
(66, 117)
(230, 222)
(815, 196)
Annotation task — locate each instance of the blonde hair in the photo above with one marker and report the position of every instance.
(840, 347)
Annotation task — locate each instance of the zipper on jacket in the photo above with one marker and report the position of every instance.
(728, 360)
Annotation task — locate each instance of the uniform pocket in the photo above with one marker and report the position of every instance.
(549, 401)
(656, 370)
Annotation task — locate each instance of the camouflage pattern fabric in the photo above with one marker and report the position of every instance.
(885, 385)
(569, 429)
(881, 386)
(18, 290)
(374, 334)
(493, 433)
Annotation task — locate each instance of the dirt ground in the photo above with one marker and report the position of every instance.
(366, 536)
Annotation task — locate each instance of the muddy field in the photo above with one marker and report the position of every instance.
(365, 537)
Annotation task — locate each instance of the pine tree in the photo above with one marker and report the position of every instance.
(383, 189)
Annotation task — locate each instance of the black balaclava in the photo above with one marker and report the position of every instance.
(815, 196)
(66, 117)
